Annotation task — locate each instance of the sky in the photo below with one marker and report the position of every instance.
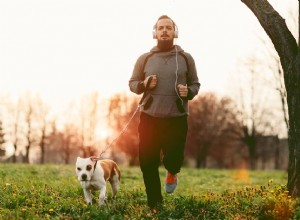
(63, 49)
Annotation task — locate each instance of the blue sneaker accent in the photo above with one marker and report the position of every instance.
(171, 183)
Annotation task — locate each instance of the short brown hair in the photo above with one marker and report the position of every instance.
(164, 17)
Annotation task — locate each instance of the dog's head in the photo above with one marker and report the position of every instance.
(85, 168)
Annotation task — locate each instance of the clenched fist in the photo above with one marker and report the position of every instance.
(152, 83)
(182, 90)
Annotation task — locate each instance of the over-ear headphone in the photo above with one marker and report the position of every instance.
(154, 34)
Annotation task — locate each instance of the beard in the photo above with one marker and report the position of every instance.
(165, 45)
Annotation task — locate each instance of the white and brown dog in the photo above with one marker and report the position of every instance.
(93, 174)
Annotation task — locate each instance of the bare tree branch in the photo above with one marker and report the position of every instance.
(283, 40)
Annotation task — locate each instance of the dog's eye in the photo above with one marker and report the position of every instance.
(88, 167)
(78, 168)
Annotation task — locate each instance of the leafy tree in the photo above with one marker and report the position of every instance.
(213, 128)
(62, 145)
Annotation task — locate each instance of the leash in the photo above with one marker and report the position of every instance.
(131, 118)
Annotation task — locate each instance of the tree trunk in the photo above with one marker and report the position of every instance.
(42, 146)
(293, 97)
(14, 156)
(288, 51)
(42, 153)
(249, 139)
(277, 155)
(202, 156)
(252, 164)
(26, 156)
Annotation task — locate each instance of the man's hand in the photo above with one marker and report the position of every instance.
(182, 90)
(152, 83)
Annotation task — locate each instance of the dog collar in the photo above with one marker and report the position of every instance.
(95, 165)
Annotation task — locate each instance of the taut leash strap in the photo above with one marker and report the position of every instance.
(125, 127)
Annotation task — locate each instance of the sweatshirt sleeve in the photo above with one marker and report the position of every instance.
(192, 78)
(137, 77)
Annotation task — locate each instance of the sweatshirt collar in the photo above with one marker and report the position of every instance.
(155, 49)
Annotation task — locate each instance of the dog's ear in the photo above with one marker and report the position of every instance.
(94, 158)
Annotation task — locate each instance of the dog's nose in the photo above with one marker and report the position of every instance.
(83, 176)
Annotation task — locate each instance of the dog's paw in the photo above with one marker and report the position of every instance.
(102, 202)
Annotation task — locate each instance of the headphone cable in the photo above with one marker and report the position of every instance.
(176, 73)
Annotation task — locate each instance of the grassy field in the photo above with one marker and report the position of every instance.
(53, 192)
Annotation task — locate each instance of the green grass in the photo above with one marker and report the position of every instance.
(53, 192)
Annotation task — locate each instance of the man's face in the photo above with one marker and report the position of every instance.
(165, 30)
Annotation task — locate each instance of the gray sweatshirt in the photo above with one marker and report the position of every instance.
(161, 100)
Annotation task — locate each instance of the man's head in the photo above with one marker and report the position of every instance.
(165, 30)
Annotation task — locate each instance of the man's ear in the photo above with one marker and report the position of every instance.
(94, 158)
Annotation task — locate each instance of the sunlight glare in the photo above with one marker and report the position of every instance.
(242, 174)
(103, 133)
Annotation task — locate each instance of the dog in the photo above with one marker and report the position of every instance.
(93, 175)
